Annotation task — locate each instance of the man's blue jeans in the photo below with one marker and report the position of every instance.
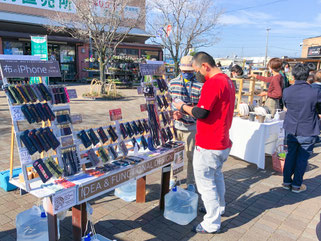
(299, 150)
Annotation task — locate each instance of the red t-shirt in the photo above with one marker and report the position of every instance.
(218, 97)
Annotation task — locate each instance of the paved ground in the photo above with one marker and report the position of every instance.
(257, 208)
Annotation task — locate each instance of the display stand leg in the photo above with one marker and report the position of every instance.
(79, 221)
(141, 190)
(11, 151)
(52, 222)
(166, 173)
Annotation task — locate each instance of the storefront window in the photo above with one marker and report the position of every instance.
(67, 54)
(67, 61)
(10, 47)
(128, 52)
(153, 54)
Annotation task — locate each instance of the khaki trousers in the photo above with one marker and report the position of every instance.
(273, 105)
(189, 138)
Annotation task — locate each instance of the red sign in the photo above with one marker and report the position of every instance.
(115, 114)
(168, 30)
(143, 107)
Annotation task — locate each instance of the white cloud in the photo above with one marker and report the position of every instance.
(246, 17)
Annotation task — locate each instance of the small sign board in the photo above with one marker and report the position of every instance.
(24, 156)
(76, 119)
(67, 141)
(178, 164)
(115, 114)
(152, 69)
(90, 190)
(143, 107)
(64, 199)
(72, 94)
(16, 113)
(29, 68)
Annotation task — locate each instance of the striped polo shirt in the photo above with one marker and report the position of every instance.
(177, 90)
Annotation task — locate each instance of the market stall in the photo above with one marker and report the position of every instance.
(252, 140)
(70, 168)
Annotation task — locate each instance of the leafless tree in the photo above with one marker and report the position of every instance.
(194, 24)
(105, 22)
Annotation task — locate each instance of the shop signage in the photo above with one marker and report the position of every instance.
(115, 114)
(87, 191)
(54, 5)
(39, 48)
(64, 200)
(27, 68)
(314, 51)
(130, 12)
(152, 69)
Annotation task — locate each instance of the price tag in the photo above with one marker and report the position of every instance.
(76, 119)
(178, 164)
(67, 141)
(143, 107)
(140, 90)
(24, 156)
(115, 114)
(72, 94)
(16, 113)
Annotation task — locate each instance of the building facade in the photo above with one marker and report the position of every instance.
(21, 19)
(311, 47)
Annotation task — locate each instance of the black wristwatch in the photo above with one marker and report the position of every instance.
(181, 109)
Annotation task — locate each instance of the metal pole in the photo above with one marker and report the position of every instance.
(267, 46)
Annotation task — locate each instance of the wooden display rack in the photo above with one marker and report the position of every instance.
(252, 84)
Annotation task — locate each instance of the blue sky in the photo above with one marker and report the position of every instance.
(244, 24)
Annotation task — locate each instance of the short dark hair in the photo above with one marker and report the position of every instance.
(201, 57)
(300, 71)
(284, 63)
(237, 69)
(275, 64)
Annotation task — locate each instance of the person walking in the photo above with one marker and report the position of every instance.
(301, 126)
(214, 114)
(185, 87)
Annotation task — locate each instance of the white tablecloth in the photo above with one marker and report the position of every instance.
(251, 140)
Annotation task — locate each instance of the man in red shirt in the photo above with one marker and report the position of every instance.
(214, 114)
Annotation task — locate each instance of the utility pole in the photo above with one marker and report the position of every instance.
(267, 46)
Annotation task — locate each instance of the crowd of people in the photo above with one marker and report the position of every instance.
(203, 101)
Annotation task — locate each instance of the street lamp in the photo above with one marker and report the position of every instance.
(267, 45)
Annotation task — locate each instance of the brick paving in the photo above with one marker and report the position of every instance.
(257, 208)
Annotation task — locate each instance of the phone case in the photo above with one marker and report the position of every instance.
(134, 142)
(102, 135)
(40, 112)
(123, 131)
(123, 148)
(159, 102)
(92, 136)
(53, 167)
(42, 140)
(112, 133)
(135, 128)
(169, 133)
(146, 126)
(35, 141)
(164, 119)
(112, 152)
(42, 170)
(84, 138)
(103, 154)
(27, 114)
(92, 157)
(28, 143)
(48, 111)
(140, 127)
(34, 113)
(130, 131)
(164, 135)
(10, 96)
(144, 142)
(53, 142)
(165, 101)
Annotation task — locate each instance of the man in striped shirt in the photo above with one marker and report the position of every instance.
(186, 88)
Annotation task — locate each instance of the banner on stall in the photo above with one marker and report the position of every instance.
(39, 47)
